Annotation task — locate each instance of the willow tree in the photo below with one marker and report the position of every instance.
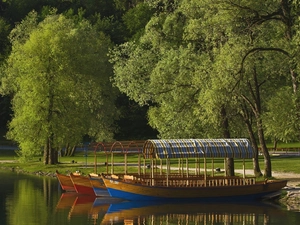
(58, 74)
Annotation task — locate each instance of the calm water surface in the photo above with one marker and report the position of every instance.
(31, 200)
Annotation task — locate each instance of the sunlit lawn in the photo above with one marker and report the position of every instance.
(86, 164)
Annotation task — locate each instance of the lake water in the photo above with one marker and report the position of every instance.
(32, 200)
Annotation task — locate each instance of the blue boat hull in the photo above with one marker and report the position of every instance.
(138, 197)
(139, 192)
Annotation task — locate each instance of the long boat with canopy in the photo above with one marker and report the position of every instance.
(156, 179)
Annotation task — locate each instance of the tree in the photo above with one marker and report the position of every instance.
(58, 72)
(280, 124)
(268, 58)
(136, 19)
(181, 70)
(4, 42)
(4, 51)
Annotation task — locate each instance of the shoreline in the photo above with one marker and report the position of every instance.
(290, 197)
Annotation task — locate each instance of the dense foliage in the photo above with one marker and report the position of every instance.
(189, 68)
(216, 68)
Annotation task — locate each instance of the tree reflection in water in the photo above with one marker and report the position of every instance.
(38, 200)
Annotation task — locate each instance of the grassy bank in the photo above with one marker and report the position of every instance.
(86, 164)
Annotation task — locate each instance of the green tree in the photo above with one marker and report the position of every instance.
(58, 72)
(174, 62)
(4, 41)
(206, 67)
(268, 62)
(136, 19)
(4, 51)
(280, 124)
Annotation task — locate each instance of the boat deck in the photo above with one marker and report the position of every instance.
(183, 181)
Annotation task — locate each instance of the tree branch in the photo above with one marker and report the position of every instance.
(261, 49)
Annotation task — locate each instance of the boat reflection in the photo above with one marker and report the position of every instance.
(78, 204)
(66, 200)
(107, 210)
(190, 213)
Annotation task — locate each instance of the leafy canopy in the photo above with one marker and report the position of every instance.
(58, 74)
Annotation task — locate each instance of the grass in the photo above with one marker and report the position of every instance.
(86, 164)
(7, 155)
(285, 145)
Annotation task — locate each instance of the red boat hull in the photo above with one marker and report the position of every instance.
(65, 182)
(82, 185)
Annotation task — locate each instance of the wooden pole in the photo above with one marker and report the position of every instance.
(244, 170)
(125, 163)
(95, 162)
(187, 167)
(112, 163)
(139, 164)
(152, 172)
(144, 167)
(161, 167)
(212, 167)
(225, 166)
(167, 167)
(205, 171)
(106, 163)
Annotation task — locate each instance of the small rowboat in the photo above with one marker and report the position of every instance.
(65, 182)
(98, 185)
(82, 184)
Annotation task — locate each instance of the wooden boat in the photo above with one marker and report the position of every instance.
(140, 188)
(162, 184)
(82, 184)
(65, 182)
(98, 185)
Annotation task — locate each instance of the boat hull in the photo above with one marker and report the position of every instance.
(65, 182)
(82, 185)
(137, 192)
(98, 186)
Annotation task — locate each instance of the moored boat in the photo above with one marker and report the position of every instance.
(82, 184)
(232, 189)
(65, 182)
(161, 184)
(98, 185)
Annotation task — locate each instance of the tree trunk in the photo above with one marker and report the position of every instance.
(256, 108)
(260, 131)
(275, 144)
(295, 84)
(246, 116)
(256, 167)
(46, 154)
(264, 149)
(70, 150)
(50, 154)
(226, 134)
